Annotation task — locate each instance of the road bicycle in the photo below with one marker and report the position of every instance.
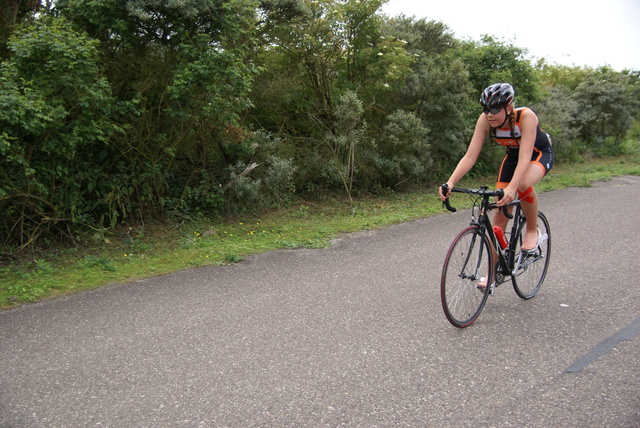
(476, 263)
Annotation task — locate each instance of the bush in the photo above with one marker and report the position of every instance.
(56, 121)
(403, 153)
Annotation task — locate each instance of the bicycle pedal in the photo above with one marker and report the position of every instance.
(491, 289)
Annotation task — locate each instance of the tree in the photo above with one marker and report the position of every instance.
(490, 61)
(561, 75)
(184, 66)
(424, 38)
(327, 50)
(345, 141)
(13, 13)
(403, 154)
(338, 46)
(56, 122)
(437, 90)
(610, 108)
(557, 112)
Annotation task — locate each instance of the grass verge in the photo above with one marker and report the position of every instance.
(145, 251)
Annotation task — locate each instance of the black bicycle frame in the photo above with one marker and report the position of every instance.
(473, 277)
(484, 223)
(506, 256)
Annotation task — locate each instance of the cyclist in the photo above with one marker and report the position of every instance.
(528, 157)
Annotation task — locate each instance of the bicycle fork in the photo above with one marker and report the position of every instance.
(475, 275)
(498, 260)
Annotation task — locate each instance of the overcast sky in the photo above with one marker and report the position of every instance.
(566, 32)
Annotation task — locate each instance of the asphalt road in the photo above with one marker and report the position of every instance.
(348, 336)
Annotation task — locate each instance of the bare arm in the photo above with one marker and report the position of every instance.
(471, 156)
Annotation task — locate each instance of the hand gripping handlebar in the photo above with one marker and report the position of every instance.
(483, 191)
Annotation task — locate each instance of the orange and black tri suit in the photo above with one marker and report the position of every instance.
(542, 155)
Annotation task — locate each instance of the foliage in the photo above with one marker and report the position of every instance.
(588, 111)
(345, 140)
(265, 182)
(137, 110)
(437, 91)
(12, 14)
(155, 249)
(403, 153)
(608, 114)
(184, 66)
(490, 61)
(337, 46)
(56, 120)
(557, 114)
(440, 94)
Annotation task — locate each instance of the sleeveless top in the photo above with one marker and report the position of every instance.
(504, 136)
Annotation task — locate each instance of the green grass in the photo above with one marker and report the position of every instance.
(137, 252)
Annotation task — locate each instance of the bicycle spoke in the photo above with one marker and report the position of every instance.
(530, 268)
(466, 263)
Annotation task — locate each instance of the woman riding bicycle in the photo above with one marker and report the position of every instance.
(528, 157)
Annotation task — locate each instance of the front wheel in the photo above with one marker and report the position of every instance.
(467, 264)
(530, 268)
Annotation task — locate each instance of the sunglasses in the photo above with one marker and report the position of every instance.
(492, 110)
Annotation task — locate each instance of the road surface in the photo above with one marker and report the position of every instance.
(348, 336)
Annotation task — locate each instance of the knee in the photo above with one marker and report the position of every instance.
(526, 193)
(525, 185)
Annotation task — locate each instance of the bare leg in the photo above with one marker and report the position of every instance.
(531, 213)
(499, 219)
(530, 209)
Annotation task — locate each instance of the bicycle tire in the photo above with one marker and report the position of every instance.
(529, 270)
(467, 262)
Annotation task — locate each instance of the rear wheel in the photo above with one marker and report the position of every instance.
(530, 268)
(467, 264)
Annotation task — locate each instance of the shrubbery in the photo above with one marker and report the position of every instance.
(125, 110)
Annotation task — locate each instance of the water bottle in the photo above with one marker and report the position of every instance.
(497, 230)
